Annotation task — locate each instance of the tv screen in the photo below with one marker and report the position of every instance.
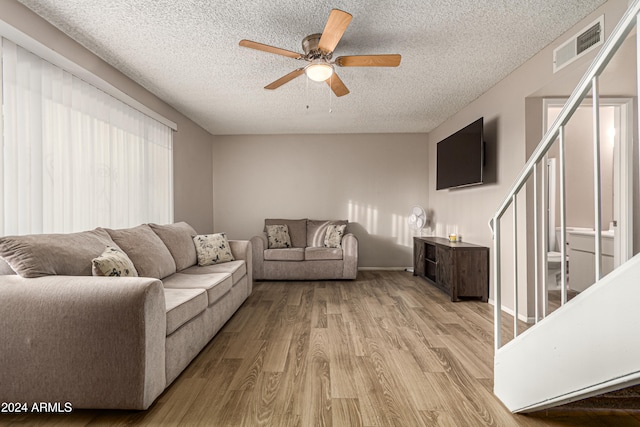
(460, 158)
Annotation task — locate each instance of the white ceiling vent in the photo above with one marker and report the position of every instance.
(585, 41)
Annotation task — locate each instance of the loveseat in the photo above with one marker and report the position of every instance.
(305, 249)
(72, 334)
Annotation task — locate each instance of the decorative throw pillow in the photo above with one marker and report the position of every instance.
(278, 236)
(333, 238)
(113, 262)
(212, 249)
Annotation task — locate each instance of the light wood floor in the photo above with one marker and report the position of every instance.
(385, 350)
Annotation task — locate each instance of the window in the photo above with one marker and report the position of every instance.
(73, 157)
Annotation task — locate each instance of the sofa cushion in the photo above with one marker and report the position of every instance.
(68, 254)
(317, 229)
(148, 253)
(216, 284)
(178, 238)
(278, 236)
(333, 236)
(297, 230)
(311, 254)
(183, 305)
(291, 254)
(113, 262)
(237, 269)
(212, 249)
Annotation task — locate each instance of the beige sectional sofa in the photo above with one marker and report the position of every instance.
(307, 255)
(110, 342)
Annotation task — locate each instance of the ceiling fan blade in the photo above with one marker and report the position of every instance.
(270, 49)
(336, 85)
(285, 79)
(369, 60)
(334, 29)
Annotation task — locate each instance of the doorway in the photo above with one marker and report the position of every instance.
(616, 154)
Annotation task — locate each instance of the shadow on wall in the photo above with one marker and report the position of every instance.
(490, 171)
(382, 251)
(386, 240)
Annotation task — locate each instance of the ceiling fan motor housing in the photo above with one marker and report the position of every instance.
(311, 49)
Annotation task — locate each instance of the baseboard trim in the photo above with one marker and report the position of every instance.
(510, 311)
(384, 268)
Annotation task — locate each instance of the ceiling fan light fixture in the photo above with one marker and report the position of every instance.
(319, 70)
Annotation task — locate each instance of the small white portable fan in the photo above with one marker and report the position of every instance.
(417, 218)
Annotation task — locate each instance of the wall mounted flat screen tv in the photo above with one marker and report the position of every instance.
(460, 158)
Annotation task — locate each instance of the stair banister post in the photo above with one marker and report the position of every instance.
(514, 204)
(597, 178)
(563, 218)
(497, 292)
(536, 260)
(544, 225)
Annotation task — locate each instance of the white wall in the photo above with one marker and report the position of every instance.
(372, 180)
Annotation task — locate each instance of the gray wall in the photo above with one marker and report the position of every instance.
(372, 180)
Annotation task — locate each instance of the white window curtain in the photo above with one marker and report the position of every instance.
(74, 158)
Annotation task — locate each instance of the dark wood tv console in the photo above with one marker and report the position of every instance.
(460, 269)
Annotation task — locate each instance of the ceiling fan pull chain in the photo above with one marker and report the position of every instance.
(329, 91)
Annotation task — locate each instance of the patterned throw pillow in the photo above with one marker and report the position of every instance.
(278, 236)
(113, 262)
(333, 238)
(212, 249)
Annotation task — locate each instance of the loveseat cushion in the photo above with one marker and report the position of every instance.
(183, 305)
(68, 254)
(317, 230)
(237, 269)
(147, 251)
(314, 254)
(291, 254)
(216, 284)
(297, 230)
(178, 238)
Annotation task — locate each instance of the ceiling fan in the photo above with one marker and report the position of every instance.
(318, 52)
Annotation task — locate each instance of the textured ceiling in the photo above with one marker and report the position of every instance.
(186, 52)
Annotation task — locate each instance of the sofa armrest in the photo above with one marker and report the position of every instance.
(242, 249)
(95, 342)
(259, 243)
(350, 256)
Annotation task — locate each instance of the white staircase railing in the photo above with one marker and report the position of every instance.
(589, 83)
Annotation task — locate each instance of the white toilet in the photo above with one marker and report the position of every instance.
(554, 264)
(554, 259)
(554, 269)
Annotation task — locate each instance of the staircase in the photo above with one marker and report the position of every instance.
(589, 346)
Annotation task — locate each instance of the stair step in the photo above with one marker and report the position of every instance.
(626, 398)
